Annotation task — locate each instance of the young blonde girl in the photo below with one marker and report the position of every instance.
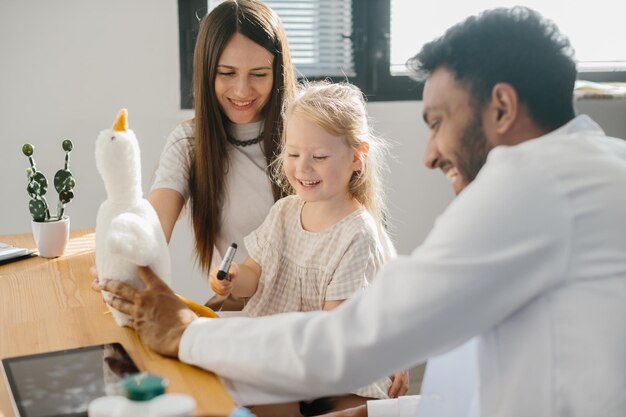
(325, 241)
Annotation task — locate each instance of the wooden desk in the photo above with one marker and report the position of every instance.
(48, 305)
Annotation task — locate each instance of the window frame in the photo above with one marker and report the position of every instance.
(370, 37)
(371, 26)
(188, 27)
(372, 52)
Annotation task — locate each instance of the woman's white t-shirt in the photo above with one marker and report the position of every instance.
(248, 197)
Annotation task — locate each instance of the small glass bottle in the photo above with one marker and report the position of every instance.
(140, 389)
(172, 405)
(145, 396)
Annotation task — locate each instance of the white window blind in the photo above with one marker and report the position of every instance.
(318, 32)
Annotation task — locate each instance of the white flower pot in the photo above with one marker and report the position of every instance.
(51, 237)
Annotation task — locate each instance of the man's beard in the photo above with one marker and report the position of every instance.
(473, 149)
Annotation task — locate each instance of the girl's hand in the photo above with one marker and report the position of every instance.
(399, 384)
(225, 286)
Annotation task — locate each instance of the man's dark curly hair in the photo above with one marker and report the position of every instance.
(516, 46)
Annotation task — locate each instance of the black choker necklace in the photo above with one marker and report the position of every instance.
(237, 142)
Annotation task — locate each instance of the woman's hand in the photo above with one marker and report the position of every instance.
(225, 286)
(399, 384)
(158, 315)
(95, 284)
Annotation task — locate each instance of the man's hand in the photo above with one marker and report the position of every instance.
(158, 315)
(360, 411)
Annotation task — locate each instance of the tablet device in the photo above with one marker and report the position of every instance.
(63, 383)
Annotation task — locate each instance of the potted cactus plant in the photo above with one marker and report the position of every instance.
(51, 233)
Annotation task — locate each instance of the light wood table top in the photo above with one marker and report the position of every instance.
(48, 304)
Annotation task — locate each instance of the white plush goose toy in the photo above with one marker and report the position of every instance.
(128, 232)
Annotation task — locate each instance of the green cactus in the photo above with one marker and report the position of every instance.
(37, 187)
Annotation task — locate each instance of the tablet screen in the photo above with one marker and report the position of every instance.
(63, 383)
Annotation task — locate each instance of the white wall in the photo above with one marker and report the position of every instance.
(68, 66)
(415, 195)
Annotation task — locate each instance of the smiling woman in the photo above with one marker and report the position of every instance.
(242, 75)
(244, 79)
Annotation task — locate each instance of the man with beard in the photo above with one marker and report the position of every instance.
(518, 292)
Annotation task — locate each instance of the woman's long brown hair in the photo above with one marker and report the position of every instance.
(210, 164)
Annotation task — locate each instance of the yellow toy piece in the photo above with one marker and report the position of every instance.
(199, 309)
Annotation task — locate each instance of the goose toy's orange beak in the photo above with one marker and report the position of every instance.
(121, 121)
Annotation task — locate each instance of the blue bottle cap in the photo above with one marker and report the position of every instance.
(241, 412)
(143, 386)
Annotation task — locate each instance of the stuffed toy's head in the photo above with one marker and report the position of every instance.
(118, 159)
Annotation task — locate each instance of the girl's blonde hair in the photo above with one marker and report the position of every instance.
(339, 108)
